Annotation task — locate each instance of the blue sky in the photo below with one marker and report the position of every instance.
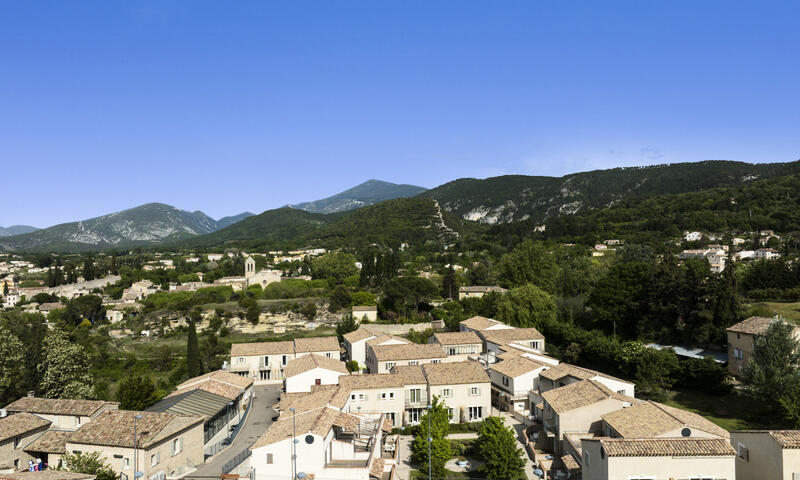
(233, 106)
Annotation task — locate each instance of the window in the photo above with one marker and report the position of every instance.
(17, 440)
(362, 397)
(177, 446)
(385, 395)
(266, 360)
(77, 421)
(328, 354)
(742, 452)
(450, 413)
(737, 353)
(264, 374)
(413, 415)
(16, 464)
(317, 381)
(284, 359)
(505, 381)
(240, 360)
(158, 476)
(474, 391)
(390, 415)
(535, 345)
(475, 413)
(436, 360)
(154, 459)
(413, 362)
(389, 365)
(414, 395)
(447, 393)
(451, 351)
(269, 459)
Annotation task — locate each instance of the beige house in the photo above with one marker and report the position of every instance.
(577, 408)
(478, 324)
(355, 344)
(62, 414)
(17, 432)
(382, 358)
(657, 459)
(513, 378)
(368, 313)
(458, 345)
(741, 341)
(265, 362)
(46, 475)
(464, 387)
(50, 447)
(529, 338)
(565, 374)
(307, 370)
(168, 445)
(478, 291)
(767, 454)
(650, 419)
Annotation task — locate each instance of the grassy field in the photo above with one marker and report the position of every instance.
(789, 311)
(731, 412)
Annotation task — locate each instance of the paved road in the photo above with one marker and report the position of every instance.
(256, 423)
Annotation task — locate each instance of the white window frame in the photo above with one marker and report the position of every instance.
(474, 391)
(447, 392)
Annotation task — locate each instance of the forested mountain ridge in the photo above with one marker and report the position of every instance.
(389, 223)
(518, 197)
(367, 193)
(147, 224)
(16, 230)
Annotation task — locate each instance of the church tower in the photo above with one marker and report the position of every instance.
(249, 267)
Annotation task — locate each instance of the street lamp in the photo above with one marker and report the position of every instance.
(294, 443)
(430, 440)
(228, 419)
(136, 472)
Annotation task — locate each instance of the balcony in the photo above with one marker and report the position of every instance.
(416, 400)
(240, 368)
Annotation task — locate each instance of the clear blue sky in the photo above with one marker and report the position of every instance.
(233, 106)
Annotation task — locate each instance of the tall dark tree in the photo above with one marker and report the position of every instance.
(449, 284)
(193, 364)
(347, 324)
(136, 392)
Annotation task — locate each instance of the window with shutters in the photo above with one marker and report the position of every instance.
(447, 393)
(269, 459)
(474, 391)
(177, 446)
(155, 458)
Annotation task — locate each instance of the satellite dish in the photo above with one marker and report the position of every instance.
(309, 439)
(686, 432)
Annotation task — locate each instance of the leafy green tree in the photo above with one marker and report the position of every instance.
(655, 372)
(362, 298)
(334, 267)
(771, 373)
(498, 446)
(12, 353)
(339, 299)
(529, 262)
(352, 366)
(346, 325)
(89, 463)
(85, 307)
(439, 445)
(405, 294)
(619, 301)
(253, 312)
(64, 368)
(193, 364)
(526, 306)
(136, 392)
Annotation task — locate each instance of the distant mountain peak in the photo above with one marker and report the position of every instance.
(367, 193)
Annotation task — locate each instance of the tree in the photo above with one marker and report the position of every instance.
(346, 325)
(253, 312)
(64, 368)
(440, 445)
(499, 448)
(85, 307)
(771, 373)
(89, 463)
(529, 262)
(352, 366)
(526, 306)
(12, 354)
(136, 392)
(339, 299)
(193, 364)
(449, 284)
(334, 267)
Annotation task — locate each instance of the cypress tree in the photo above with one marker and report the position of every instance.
(193, 365)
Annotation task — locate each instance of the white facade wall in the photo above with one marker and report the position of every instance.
(316, 376)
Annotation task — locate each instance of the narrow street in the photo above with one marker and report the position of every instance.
(256, 423)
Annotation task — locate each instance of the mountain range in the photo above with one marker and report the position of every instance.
(367, 193)
(148, 224)
(16, 230)
(383, 212)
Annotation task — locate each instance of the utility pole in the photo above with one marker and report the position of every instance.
(294, 444)
(135, 444)
(430, 440)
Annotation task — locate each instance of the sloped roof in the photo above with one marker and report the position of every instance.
(57, 406)
(568, 370)
(224, 390)
(356, 336)
(456, 338)
(411, 351)
(482, 288)
(316, 344)
(752, 325)
(49, 474)
(666, 447)
(455, 373)
(114, 428)
(192, 402)
(317, 421)
(311, 361)
(220, 376)
(20, 423)
(580, 394)
(513, 366)
(261, 348)
(651, 419)
(480, 323)
(378, 340)
(787, 438)
(51, 441)
(509, 335)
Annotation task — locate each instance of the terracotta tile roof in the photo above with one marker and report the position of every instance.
(365, 308)
(387, 425)
(666, 447)
(410, 375)
(509, 335)
(456, 373)
(220, 376)
(376, 470)
(54, 406)
(456, 338)
(480, 323)
(752, 326)
(513, 366)
(787, 438)
(217, 388)
(317, 421)
(570, 463)
(114, 428)
(320, 396)
(261, 348)
(481, 288)
(375, 380)
(568, 370)
(316, 344)
(358, 335)
(311, 361)
(580, 394)
(20, 423)
(47, 475)
(347, 421)
(380, 339)
(51, 441)
(411, 351)
(650, 419)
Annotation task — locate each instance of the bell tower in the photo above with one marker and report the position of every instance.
(249, 267)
